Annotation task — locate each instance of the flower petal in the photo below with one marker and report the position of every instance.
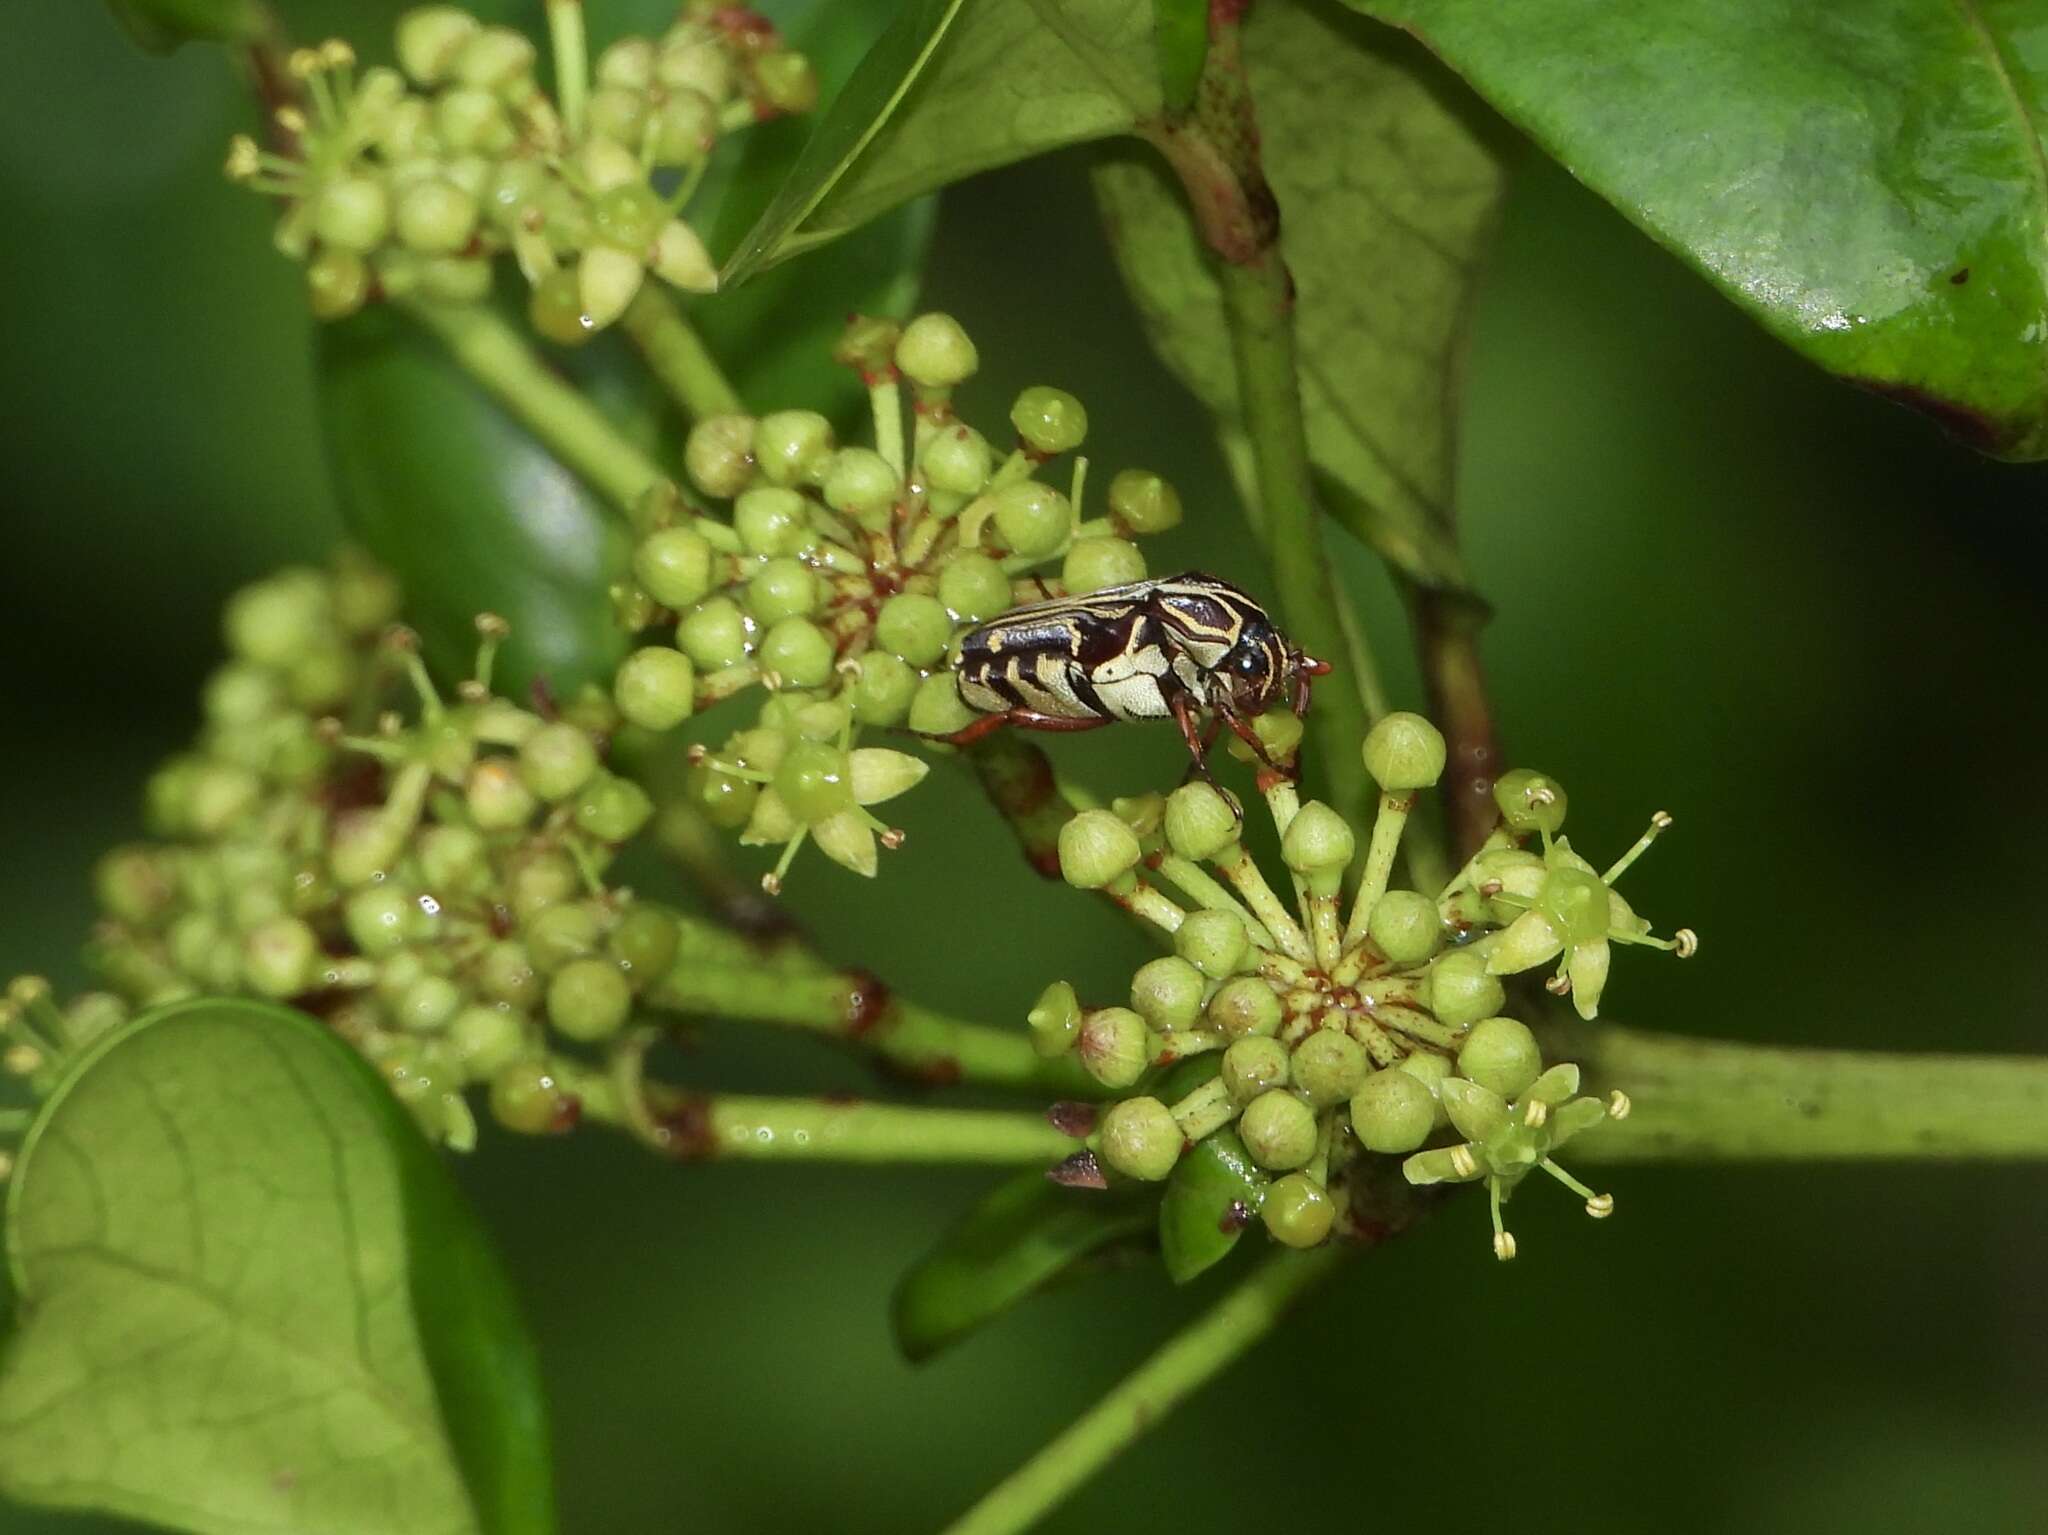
(1588, 968)
(846, 839)
(1528, 941)
(878, 774)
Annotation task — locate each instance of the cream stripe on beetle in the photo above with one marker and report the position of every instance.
(1177, 647)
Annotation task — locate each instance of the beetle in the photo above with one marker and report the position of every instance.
(1174, 647)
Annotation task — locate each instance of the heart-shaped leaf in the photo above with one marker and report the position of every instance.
(1214, 1193)
(1387, 193)
(1025, 1235)
(1867, 180)
(250, 1299)
(951, 89)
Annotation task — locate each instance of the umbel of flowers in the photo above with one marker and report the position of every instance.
(412, 180)
(1345, 1029)
(840, 577)
(430, 882)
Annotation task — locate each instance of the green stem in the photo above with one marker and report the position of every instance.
(1145, 1396)
(859, 1010)
(1018, 780)
(678, 355)
(497, 356)
(737, 1127)
(1718, 1101)
(1447, 626)
(572, 63)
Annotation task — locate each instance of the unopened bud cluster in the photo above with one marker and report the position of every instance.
(1340, 1035)
(412, 180)
(428, 882)
(841, 577)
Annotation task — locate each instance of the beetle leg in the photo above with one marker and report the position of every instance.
(969, 733)
(1250, 737)
(1023, 719)
(1306, 670)
(1199, 741)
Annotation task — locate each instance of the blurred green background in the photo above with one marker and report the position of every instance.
(1791, 615)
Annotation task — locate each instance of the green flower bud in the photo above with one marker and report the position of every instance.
(555, 309)
(1393, 1111)
(915, 627)
(1167, 993)
(1095, 563)
(275, 622)
(1245, 1006)
(1406, 926)
(719, 455)
(1298, 1211)
(427, 1005)
(1033, 519)
(685, 128)
(516, 187)
(1430, 1069)
(337, 284)
(1500, 1054)
(526, 1099)
(470, 121)
(799, 652)
(656, 687)
(606, 280)
(589, 1000)
(280, 957)
(786, 82)
(645, 942)
(772, 521)
(1202, 820)
(352, 213)
(957, 461)
(492, 59)
(1279, 1130)
(1576, 904)
(629, 217)
(378, 919)
(133, 886)
(814, 781)
(783, 588)
(695, 64)
(482, 1041)
(504, 974)
(674, 565)
(539, 878)
(429, 37)
(612, 809)
(937, 709)
(1253, 1065)
(722, 799)
(1049, 421)
(559, 933)
(1278, 730)
(435, 217)
(1460, 991)
(860, 483)
(934, 352)
(1318, 841)
(557, 760)
(1530, 801)
(1328, 1066)
(627, 63)
(1141, 1139)
(1214, 942)
(1113, 1046)
(791, 445)
(456, 279)
(882, 689)
(714, 634)
(973, 587)
(497, 796)
(1095, 848)
(1055, 1020)
(1141, 502)
(1404, 752)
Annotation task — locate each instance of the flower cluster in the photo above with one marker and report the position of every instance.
(433, 886)
(1341, 1036)
(843, 576)
(412, 180)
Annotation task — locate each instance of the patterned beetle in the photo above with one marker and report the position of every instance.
(1170, 648)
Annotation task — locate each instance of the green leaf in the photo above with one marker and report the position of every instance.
(775, 334)
(251, 1300)
(951, 89)
(468, 508)
(1387, 194)
(1026, 1234)
(1867, 180)
(158, 26)
(1213, 1193)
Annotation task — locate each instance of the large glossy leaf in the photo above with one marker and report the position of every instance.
(1387, 193)
(1022, 1237)
(1867, 179)
(1213, 1194)
(250, 1299)
(951, 89)
(474, 515)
